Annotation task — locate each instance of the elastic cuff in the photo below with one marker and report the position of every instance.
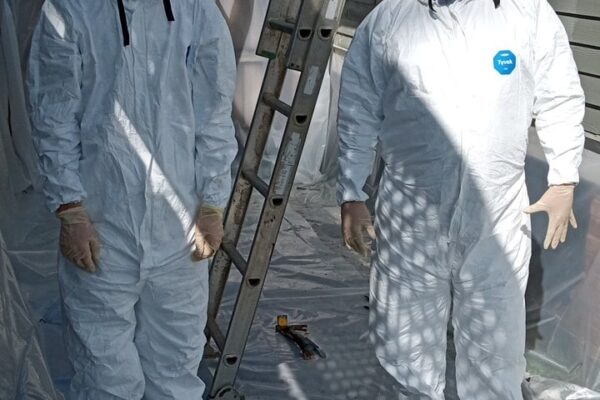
(555, 179)
(216, 209)
(348, 197)
(565, 184)
(352, 201)
(68, 206)
(73, 215)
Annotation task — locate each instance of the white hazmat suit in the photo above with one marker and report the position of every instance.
(131, 111)
(450, 95)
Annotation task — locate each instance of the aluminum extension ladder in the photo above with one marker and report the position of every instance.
(297, 34)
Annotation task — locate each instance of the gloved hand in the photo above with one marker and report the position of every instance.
(558, 203)
(209, 232)
(356, 220)
(78, 240)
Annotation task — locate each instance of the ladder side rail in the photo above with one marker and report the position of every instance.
(240, 198)
(279, 192)
(303, 34)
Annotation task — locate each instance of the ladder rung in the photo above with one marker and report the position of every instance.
(236, 257)
(256, 182)
(282, 25)
(216, 333)
(276, 104)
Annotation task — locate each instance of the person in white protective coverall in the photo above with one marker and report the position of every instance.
(131, 109)
(449, 90)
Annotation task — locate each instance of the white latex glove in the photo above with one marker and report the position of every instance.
(209, 232)
(557, 202)
(78, 240)
(356, 221)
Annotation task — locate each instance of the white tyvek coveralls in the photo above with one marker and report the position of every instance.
(144, 134)
(449, 218)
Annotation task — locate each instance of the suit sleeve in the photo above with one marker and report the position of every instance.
(213, 84)
(54, 81)
(360, 111)
(559, 104)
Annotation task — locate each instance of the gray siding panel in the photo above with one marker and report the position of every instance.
(587, 59)
(582, 22)
(580, 7)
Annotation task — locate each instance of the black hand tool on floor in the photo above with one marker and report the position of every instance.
(297, 333)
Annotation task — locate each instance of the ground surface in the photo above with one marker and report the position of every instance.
(315, 281)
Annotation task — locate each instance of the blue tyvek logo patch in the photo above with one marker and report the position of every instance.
(505, 62)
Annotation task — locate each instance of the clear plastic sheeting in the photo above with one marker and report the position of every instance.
(23, 371)
(550, 389)
(563, 336)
